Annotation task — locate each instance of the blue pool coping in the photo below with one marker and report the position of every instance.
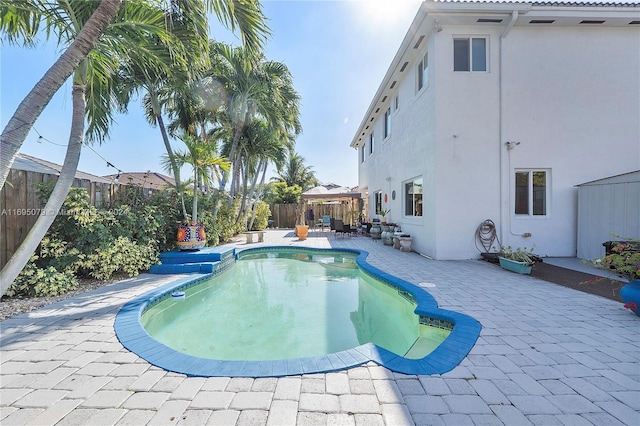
(444, 358)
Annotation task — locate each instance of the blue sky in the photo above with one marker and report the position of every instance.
(337, 51)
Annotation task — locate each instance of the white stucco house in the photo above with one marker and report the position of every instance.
(498, 110)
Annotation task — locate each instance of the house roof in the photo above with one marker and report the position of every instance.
(433, 14)
(622, 178)
(148, 179)
(34, 164)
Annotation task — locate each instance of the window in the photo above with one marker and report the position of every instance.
(470, 54)
(413, 197)
(423, 71)
(371, 141)
(387, 123)
(531, 192)
(377, 201)
(362, 154)
(396, 102)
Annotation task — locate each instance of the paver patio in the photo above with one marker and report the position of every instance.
(547, 355)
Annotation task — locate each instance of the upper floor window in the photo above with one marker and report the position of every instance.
(423, 71)
(413, 197)
(531, 192)
(387, 123)
(371, 143)
(470, 54)
(396, 102)
(362, 154)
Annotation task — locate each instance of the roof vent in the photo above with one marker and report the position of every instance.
(542, 21)
(589, 21)
(393, 84)
(634, 22)
(383, 100)
(490, 20)
(415, 46)
(378, 110)
(404, 66)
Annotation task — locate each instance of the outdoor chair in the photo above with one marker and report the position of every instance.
(326, 222)
(339, 227)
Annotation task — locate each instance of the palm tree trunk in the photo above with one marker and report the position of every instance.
(59, 194)
(172, 160)
(20, 124)
(258, 192)
(194, 213)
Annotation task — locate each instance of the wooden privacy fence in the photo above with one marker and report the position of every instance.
(285, 215)
(20, 206)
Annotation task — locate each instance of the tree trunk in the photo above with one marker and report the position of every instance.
(58, 196)
(172, 160)
(20, 124)
(258, 192)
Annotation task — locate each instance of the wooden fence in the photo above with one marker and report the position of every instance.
(286, 215)
(20, 206)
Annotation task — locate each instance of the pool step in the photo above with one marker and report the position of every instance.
(203, 261)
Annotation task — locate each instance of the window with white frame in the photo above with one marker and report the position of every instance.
(371, 143)
(362, 153)
(423, 71)
(396, 103)
(387, 123)
(413, 197)
(531, 192)
(470, 54)
(377, 201)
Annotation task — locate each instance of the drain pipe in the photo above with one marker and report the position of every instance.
(503, 209)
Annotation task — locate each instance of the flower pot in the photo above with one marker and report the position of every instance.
(630, 295)
(191, 237)
(375, 231)
(302, 231)
(387, 235)
(515, 266)
(405, 243)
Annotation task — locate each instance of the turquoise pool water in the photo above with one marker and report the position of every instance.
(290, 304)
(309, 314)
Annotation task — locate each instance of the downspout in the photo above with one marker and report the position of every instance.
(503, 36)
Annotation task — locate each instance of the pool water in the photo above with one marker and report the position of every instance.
(282, 305)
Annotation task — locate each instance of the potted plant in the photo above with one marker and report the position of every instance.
(205, 162)
(623, 259)
(383, 215)
(518, 260)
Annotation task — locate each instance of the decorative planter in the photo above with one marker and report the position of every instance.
(630, 295)
(515, 266)
(191, 237)
(302, 231)
(387, 235)
(375, 231)
(405, 243)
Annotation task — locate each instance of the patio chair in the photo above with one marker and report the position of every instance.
(326, 222)
(338, 224)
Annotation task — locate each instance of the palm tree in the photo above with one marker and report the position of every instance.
(295, 172)
(20, 20)
(256, 88)
(207, 165)
(81, 22)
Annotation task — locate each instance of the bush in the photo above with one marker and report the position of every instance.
(262, 216)
(39, 282)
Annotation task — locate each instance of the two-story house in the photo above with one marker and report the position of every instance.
(497, 110)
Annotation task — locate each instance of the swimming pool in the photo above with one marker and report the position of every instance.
(257, 320)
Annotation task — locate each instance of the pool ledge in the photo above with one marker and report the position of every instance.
(444, 358)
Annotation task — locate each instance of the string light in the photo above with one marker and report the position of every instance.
(109, 164)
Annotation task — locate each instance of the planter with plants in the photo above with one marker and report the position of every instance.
(383, 215)
(623, 259)
(519, 260)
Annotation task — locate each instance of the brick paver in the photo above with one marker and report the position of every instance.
(546, 355)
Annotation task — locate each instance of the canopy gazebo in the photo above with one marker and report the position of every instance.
(341, 202)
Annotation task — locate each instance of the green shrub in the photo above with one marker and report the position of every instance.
(262, 216)
(38, 282)
(122, 256)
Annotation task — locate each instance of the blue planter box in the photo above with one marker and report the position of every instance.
(515, 266)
